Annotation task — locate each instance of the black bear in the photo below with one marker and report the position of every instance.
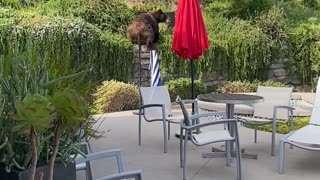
(144, 29)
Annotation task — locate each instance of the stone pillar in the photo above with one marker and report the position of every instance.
(144, 61)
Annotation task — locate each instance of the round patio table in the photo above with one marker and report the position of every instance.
(230, 100)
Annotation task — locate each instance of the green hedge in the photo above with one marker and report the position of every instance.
(245, 86)
(285, 128)
(237, 49)
(182, 87)
(68, 46)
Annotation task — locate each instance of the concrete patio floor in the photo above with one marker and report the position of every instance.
(122, 134)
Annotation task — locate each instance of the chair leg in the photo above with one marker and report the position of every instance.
(238, 158)
(228, 153)
(273, 137)
(291, 125)
(184, 154)
(181, 147)
(255, 134)
(165, 138)
(281, 157)
(139, 130)
(237, 143)
(169, 130)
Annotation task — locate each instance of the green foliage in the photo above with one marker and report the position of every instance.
(297, 13)
(236, 8)
(150, 8)
(256, 83)
(285, 128)
(111, 15)
(312, 4)
(22, 74)
(10, 3)
(73, 113)
(153, 5)
(182, 87)
(237, 48)
(259, 6)
(273, 24)
(235, 86)
(114, 96)
(34, 112)
(70, 47)
(245, 86)
(305, 50)
(226, 8)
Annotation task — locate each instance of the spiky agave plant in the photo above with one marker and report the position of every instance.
(34, 114)
(72, 111)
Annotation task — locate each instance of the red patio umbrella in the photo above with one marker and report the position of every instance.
(190, 38)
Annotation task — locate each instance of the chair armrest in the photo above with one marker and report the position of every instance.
(206, 114)
(189, 101)
(275, 108)
(150, 105)
(174, 103)
(129, 174)
(291, 114)
(284, 107)
(225, 121)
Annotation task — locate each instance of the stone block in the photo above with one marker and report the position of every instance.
(277, 66)
(279, 72)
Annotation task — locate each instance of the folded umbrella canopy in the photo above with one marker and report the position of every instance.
(190, 38)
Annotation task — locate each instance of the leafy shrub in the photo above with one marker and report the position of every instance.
(227, 8)
(285, 128)
(235, 86)
(245, 86)
(112, 15)
(182, 87)
(149, 7)
(68, 46)
(114, 96)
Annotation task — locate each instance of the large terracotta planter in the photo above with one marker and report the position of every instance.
(60, 172)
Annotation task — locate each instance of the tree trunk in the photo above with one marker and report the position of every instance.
(55, 149)
(34, 159)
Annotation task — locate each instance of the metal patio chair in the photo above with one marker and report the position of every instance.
(305, 138)
(274, 109)
(189, 126)
(156, 106)
(84, 163)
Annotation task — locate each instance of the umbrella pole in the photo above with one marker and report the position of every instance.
(192, 82)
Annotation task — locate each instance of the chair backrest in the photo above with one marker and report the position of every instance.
(185, 113)
(273, 96)
(315, 115)
(155, 95)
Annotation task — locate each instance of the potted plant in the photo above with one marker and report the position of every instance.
(39, 127)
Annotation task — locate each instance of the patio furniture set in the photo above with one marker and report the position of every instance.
(271, 106)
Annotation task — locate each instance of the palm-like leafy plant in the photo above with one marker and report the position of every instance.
(72, 111)
(34, 114)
